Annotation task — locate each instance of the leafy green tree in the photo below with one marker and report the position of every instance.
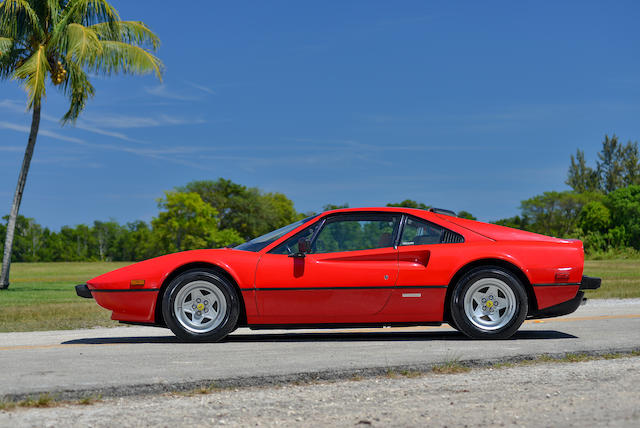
(631, 164)
(29, 237)
(594, 222)
(247, 210)
(106, 236)
(594, 217)
(624, 205)
(466, 214)
(618, 164)
(609, 164)
(136, 242)
(409, 203)
(554, 213)
(66, 40)
(188, 223)
(515, 222)
(582, 178)
(330, 207)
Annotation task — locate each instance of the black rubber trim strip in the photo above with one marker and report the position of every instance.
(128, 290)
(590, 283)
(555, 284)
(385, 287)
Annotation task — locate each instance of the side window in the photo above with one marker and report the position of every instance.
(418, 232)
(356, 232)
(290, 246)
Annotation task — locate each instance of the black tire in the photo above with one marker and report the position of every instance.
(214, 314)
(477, 313)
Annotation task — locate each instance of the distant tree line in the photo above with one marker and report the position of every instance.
(202, 214)
(603, 207)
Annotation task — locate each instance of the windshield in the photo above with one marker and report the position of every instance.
(260, 242)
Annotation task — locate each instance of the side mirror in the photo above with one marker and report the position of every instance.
(304, 246)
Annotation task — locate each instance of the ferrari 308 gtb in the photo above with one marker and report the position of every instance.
(355, 267)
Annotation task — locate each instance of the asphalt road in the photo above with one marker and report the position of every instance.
(134, 360)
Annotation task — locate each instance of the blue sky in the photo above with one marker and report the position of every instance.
(461, 105)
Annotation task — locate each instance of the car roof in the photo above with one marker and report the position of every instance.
(414, 211)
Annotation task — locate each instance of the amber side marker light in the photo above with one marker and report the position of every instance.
(137, 282)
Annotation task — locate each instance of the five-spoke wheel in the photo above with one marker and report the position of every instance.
(489, 303)
(200, 305)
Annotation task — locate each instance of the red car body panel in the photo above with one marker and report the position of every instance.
(404, 284)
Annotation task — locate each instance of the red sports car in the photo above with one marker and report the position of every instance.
(355, 267)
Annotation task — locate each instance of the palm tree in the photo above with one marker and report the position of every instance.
(65, 40)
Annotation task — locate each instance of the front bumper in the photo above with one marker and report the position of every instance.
(570, 306)
(83, 291)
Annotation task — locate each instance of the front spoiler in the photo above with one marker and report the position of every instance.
(83, 291)
(570, 306)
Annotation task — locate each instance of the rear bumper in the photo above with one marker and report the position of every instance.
(564, 308)
(590, 283)
(570, 306)
(83, 291)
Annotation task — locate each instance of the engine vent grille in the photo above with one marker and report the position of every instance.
(449, 237)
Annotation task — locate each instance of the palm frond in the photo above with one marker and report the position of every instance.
(78, 88)
(5, 45)
(18, 18)
(11, 59)
(89, 12)
(120, 57)
(80, 43)
(133, 32)
(54, 6)
(33, 73)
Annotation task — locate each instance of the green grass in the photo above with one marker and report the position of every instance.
(620, 278)
(42, 295)
(450, 367)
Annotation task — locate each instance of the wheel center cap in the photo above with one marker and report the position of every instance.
(200, 306)
(490, 304)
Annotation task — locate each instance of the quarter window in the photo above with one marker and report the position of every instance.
(416, 232)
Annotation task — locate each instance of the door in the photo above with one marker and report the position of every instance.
(424, 269)
(348, 274)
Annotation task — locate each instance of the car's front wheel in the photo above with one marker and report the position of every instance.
(200, 305)
(489, 303)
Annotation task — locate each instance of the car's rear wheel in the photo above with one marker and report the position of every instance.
(200, 305)
(489, 303)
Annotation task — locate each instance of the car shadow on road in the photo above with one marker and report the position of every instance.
(384, 336)
(412, 336)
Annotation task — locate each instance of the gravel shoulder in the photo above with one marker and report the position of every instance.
(592, 393)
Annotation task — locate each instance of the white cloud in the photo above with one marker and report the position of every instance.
(163, 153)
(12, 149)
(162, 92)
(202, 88)
(105, 124)
(13, 105)
(115, 121)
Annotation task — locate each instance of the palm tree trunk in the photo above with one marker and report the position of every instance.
(17, 198)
